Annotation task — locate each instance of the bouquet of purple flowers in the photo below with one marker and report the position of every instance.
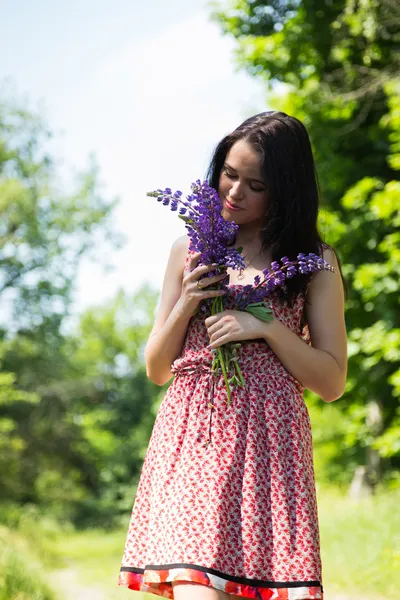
(213, 237)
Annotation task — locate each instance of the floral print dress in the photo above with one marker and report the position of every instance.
(226, 496)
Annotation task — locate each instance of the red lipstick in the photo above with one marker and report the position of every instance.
(230, 207)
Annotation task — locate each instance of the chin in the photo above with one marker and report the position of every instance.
(228, 216)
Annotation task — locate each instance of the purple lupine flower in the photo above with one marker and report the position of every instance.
(208, 231)
(276, 276)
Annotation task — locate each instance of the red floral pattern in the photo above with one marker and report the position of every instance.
(238, 513)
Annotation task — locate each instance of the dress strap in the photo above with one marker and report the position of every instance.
(323, 246)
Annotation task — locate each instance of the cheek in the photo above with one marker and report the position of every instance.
(222, 186)
(260, 204)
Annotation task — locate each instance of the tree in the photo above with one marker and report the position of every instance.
(43, 235)
(107, 352)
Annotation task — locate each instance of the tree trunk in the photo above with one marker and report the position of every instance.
(367, 476)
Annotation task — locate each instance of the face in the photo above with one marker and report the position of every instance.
(241, 186)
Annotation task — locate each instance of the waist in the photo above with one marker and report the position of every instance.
(188, 366)
(256, 366)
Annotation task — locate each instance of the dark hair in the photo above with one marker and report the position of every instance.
(289, 173)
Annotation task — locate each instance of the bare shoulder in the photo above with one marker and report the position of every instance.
(176, 261)
(325, 311)
(324, 282)
(177, 258)
(181, 245)
(182, 242)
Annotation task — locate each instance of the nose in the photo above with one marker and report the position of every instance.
(235, 191)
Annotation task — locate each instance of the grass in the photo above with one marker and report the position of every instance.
(360, 544)
(22, 576)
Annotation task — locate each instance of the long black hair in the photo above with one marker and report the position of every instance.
(288, 171)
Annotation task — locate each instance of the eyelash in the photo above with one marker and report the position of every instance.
(230, 176)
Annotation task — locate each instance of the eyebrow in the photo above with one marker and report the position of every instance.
(252, 178)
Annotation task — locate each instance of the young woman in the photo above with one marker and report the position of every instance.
(226, 503)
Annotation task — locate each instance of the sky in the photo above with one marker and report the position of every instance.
(149, 88)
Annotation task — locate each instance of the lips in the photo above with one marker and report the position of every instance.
(231, 206)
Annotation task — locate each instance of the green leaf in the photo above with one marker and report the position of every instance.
(234, 380)
(261, 311)
(187, 220)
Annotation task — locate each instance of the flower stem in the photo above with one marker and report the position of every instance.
(222, 363)
(239, 372)
(216, 307)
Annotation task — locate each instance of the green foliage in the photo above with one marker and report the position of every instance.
(79, 448)
(108, 347)
(298, 42)
(75, 408)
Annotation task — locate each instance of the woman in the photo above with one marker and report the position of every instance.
(226, 504)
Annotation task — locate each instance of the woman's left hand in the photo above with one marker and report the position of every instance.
(233, 326)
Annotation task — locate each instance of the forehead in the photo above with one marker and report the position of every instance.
(243, 158)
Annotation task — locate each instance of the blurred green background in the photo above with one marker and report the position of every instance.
(76, 408)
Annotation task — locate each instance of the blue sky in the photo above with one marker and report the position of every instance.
(150, 88)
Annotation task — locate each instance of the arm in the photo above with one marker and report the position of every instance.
(322, 367)
(169, 330)
(179, 298)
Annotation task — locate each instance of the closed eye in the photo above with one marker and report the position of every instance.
(232, 176)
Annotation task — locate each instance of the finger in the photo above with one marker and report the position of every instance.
(203, 269)
(211, 293)
(211, 320)
(214, 328)
(206, 281)
(224, 339)
(218, 333)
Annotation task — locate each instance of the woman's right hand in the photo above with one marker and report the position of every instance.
(192, 294)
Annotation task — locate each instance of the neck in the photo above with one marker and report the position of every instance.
(249, 239)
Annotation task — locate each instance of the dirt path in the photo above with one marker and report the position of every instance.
(66, 583)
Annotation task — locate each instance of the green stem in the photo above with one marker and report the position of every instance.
(222, 362)
(217, 307)
(239, 372)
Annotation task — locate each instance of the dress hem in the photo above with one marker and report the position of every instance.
(157, 579)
